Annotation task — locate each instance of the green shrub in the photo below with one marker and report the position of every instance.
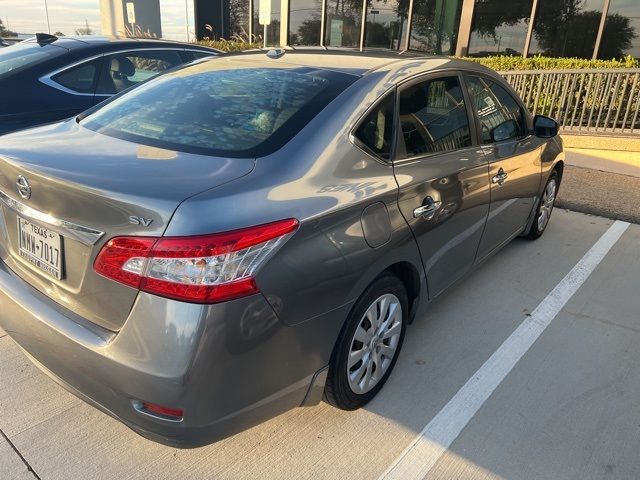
(229, 45)
(504, 63)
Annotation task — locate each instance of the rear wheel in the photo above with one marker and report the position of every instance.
(545, 208)
(369, 344)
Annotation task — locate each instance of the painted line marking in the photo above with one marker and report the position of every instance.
(423, 452)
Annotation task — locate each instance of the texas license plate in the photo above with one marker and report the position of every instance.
(41, 247)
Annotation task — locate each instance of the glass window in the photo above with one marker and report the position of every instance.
(81, 78)
(220, 108)
(386, 23)
(24, 55)
(500, 115)
(304, 22)
(375, 133)
(566, 28)
(621, 34)
(499, 27)
(239, 19)
(433, 117)
(123, 70)
(342, 27)
(434, 26)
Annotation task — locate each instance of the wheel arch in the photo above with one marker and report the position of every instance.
(410, 278)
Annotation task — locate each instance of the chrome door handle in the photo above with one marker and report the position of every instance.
(428, 209)
(500, 177)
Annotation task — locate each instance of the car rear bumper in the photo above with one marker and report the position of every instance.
(228, 366)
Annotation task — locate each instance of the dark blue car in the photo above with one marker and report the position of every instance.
(47, 78)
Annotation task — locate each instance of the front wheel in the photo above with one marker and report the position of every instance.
(369, 344)
(545, 207)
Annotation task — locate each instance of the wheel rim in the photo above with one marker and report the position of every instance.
(374, 344)
(546, 205)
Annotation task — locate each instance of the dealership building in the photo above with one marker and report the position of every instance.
(558, 28)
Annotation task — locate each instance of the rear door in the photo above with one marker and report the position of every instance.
(442, 175)
(514, 160)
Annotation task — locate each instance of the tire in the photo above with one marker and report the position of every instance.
(545, 208)
(376, 350)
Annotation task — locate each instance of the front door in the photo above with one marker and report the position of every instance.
(514, 161)
(442, 175)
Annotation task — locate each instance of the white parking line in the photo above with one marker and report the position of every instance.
(423, 452)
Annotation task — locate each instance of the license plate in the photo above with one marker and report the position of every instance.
(41, 247)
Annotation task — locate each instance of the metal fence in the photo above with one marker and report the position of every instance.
(594, 102)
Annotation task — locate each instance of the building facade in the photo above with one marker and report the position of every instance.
(557, 28)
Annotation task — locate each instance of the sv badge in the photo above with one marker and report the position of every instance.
(140, 220)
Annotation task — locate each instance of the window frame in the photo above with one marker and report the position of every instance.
(526, 115)
(426, 77)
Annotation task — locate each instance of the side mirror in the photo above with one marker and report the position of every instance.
(506, 130)
(545, 127)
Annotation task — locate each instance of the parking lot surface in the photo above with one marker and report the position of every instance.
(566, 408)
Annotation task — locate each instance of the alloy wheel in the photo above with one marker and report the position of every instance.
(546, 205)
(374, 344)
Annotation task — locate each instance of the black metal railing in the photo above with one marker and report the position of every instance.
(595, 102)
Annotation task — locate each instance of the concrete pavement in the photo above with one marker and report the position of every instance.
(567, 410)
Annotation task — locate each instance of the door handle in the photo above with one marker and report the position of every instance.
(428, 209)
(500, 177)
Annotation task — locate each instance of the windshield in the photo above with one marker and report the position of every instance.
(220, 108)
(25, 54)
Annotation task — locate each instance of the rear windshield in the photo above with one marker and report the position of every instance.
(22, 55)
(220, 108)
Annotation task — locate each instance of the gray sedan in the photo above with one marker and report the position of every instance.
(254, 233)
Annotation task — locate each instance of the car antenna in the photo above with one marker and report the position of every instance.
(44, 38)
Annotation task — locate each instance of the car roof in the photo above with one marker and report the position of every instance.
(361, 63)
(93, 41)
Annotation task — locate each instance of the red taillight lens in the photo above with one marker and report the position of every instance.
(175, 413)
(114, 256)
(204, 269)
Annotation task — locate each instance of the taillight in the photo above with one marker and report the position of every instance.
(204, 269)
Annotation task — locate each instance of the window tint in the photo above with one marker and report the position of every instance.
(80, 78)
(500, 115)
(220, 108)
(376, 130)
(123, 70)
(433, 117)
(24, 55)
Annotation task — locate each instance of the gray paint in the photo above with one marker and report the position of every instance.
(262, 351)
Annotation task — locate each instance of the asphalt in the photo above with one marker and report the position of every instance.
(567, 410)
(603, 193)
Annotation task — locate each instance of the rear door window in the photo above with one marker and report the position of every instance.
(81, 78)
(375, 133)
(124, 70)
(433, 117)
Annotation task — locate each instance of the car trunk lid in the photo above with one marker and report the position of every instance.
(88, 188)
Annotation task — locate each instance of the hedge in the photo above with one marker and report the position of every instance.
(502, 63)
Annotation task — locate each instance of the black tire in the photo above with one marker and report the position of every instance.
(338, 391)
(536, 229)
